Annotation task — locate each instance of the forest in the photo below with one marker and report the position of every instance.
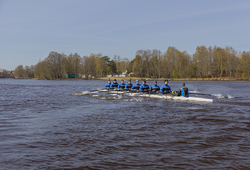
(206, 62)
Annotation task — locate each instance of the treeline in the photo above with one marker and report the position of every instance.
(205, 62)
(57, 65)
(27, 71)
(6, 74)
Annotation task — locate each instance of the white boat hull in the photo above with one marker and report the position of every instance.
(157, 96)
(161, 96)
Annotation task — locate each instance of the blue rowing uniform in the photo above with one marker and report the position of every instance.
(184, 91)
(128, 86)
(165, 89)
(136, 86)
(155, 87)
(107, 86)
(121, 86)
(144, 88)
(114, 86)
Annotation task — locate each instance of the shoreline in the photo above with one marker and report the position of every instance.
(148, 79)
(176, 79)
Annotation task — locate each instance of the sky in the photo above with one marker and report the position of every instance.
(30, 30)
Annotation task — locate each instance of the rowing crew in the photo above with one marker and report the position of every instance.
(165, 89)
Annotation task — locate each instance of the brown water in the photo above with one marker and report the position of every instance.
(42, 126)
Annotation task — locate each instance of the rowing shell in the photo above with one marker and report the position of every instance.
(157, 96)
(160, 96)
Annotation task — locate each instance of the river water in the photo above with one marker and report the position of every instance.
(43, 126)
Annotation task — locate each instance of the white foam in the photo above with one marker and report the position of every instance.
(85, 92)
(194, 91)
(136, 99)
(88, 92)
(219, 96)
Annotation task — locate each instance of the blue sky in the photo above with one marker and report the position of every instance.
(30, 30)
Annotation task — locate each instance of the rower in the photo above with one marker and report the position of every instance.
(155, 88)
(183, 91)
(114, 85)
(121, 86)
(165, 88)
(128, 86)
(107, 86)
(144, 87)
(136, 87)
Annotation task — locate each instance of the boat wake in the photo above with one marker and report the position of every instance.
(89, 92)
(229, 96)
(109, 98)
(136, 99)
(112, 98)
(220, 96)
(194, 91)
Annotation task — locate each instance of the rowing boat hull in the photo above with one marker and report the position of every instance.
(157, 96)
(160, 96)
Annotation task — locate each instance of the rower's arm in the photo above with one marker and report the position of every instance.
(179, 93)
(140, 89)
(132, 88)
(161, 89)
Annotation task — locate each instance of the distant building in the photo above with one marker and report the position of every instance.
(124, 74)
(130, 74)
(71, 76)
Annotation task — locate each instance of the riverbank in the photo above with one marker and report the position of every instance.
(158, 79)
(175, 79)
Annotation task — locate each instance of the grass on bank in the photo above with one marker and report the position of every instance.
(158, 79)
(176, 79)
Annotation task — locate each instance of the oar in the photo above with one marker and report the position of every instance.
(107, 90)
(121, 92)
(202, 94)
(84, 92)
(195, 93)
(102, 89)
(95, 90)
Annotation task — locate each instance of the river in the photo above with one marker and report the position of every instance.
(43, 126)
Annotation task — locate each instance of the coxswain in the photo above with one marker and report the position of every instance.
(114, 85)
(144, 87)
(128, 86)
(107, 86)
(136, 87)
(165, 88)
(183, 91)
(155, 88)
(121, 86)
